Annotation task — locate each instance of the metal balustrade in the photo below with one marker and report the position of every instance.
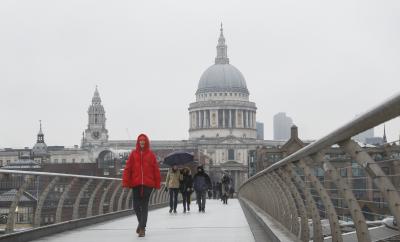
(31, 200)
(328, 206)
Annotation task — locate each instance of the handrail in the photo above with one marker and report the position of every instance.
(39, 173)
(375, 116)
(42, 198)
(283, 190)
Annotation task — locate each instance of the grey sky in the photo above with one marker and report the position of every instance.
(320, 62)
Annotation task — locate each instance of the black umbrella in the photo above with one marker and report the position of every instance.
(178, 158)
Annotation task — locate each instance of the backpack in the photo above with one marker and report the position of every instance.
(200, 183)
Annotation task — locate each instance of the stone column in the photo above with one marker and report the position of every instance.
(244, 119)
(208, 118)
(190, 120)
(223, 118)
(251, 120)
(255, 120)
(247, 119)
(197, 119)
(204, 119)
(230, 118)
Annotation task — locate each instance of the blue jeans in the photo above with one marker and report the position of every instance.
(186, 200)
(173, 198)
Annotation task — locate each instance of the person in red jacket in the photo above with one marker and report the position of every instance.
(142, 174)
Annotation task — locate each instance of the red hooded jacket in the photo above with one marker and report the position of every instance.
(141, 167)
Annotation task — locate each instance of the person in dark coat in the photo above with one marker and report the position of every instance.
(201, 183)
(219, 189)
(186, 188)
(225, 181)
(214, 190)
(231, 191)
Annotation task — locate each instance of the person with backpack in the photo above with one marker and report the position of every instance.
(201, 183)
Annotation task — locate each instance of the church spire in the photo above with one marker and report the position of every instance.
(40, 135)
(96, 97)
(222, 54)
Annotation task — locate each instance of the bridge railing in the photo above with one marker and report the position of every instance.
(30, 200)
(309, 194)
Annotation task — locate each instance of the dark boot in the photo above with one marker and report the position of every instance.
(137, 229)
(142, 232)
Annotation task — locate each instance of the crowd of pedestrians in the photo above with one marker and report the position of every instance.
(181, 180)
(142, 175)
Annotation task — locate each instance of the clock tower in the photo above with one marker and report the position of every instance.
(96, 133)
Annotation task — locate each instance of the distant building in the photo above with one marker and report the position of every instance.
(386, 155)
(260, 130)
(364, 136)
(367, 137)
(374, 141)
(282, 124)
(223, 134)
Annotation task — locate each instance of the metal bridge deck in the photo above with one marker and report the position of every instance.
(219, 223)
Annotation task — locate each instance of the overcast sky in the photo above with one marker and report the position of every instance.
(320, 62)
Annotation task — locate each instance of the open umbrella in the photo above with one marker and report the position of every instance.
(178, 158)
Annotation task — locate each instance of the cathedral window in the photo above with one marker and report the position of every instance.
(231, 154)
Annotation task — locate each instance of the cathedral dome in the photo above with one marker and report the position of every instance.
(221, 78)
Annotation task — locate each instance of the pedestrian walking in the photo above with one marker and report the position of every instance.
(172, 182)
(219, 190)
(142, 174)
(225, 181)
(186, 187)
(231, 191)
(201, 183)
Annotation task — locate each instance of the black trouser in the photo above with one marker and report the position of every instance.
(141, 195)
(186, 200)
(225, 198)
(201, 199)
(173, 198)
